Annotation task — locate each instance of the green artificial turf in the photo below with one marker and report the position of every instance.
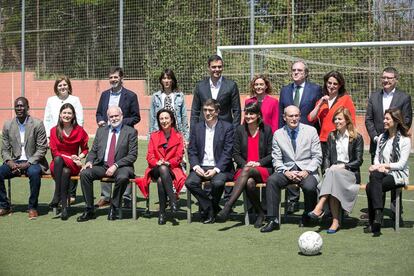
(49, 246)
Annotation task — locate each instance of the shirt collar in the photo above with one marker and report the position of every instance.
(116, 93)
(390, 93)
(345, 135)
(302, 85)
(117, 129)
(218, 82)
(213, 127)
(289, 130)
(24, 123)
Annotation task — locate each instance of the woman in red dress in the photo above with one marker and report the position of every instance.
(164, 157)
(66, 138)
(252, 152)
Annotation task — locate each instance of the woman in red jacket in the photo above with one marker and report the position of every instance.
(165, 154)
(335, 97)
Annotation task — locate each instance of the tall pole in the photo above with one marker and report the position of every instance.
(251, 38)
(22, 45)
(121, 33)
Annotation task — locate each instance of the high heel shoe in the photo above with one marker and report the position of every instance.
(64, 214)
(161, 219)
(312, 215)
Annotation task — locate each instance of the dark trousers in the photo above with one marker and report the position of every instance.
(278, 181)
(121, 177)
(34, 172)
(208, 202)
(378, 184)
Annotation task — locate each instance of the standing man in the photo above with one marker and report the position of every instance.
(297, 155)
(113, 154)
(210, 156)
(388, 97)
(224, 91)
(303, 94)
(23, 151)
(127, 100)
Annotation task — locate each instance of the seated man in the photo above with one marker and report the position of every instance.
(209, 153)
(23, 152)
(113, 154)
(297, 155)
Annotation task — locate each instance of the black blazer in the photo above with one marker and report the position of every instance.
(374, 118)
(128, 104)
(240, 147)
(228, 97)
(222, 143)
(355, 153)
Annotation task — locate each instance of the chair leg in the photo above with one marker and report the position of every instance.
(280, 213)
(134, 200)
(188, 206)
(397, 209)
(9, 190)
(147, 204)
(286, 204)
(246, 211)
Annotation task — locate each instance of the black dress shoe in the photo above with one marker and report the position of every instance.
(270, 226)
(161, 219)
(87, 215)
(174, 207)
(209, 220)
(112, 215)
(64, 214)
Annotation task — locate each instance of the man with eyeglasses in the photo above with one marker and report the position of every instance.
(127, 100)
(303, 94)
(388, 97)
(210, 155)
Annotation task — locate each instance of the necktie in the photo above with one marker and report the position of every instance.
(296, 100)
(111, 152)
(168, 103)
(293, 139)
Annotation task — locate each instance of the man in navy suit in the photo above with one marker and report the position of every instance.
(127, 100)
(210, 156)
(388, 97)
(303, 94)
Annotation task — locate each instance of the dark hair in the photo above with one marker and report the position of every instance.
(253, 107)
(348, 119)
(212, 102)
(169, 73)
(59, 126)
(305, 65)
(59, 80)
(214, 58)
(341, 81)
(173, 122)
(265, 79)
(398, 119)
(392, 70)
(115, 69)
(23, 99)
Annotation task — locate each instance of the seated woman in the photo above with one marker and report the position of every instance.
(252, 152)
(343, 158)
(66, 138)
(390, 169)
(164, 157)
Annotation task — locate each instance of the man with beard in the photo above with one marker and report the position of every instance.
(113, 154)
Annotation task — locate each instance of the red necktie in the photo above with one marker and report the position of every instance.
(111, 152)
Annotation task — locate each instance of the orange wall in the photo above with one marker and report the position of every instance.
(89, 91)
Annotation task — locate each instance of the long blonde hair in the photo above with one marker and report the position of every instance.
(348, 119)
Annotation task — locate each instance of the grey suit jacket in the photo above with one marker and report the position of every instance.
(35, 142)
(374, 118)
(126, 150)
(308, 155)
(228, 97)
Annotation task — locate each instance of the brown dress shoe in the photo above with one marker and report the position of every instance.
(4, 212)
(33, 214)
(102, 203)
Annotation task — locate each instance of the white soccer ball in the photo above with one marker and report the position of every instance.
(310, 243)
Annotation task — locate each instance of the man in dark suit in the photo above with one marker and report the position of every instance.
(223, 90)
(127, 100)
(297, 155)
(23, 151)
(388, 97)
(210, 156)
(304, 94)
(113, 154)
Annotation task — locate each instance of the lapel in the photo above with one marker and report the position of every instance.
(379, 104)
(217, 133)
(121, 98)
(222, 89)
(104, 140)
(394, 98)
(121, 139)
(291, 90)
(299, 138)
(27, 129)
(289, 142)
(201, 138)
(207, 89)
(15, 136)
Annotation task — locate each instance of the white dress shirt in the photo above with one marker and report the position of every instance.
(215, 88)
(386, 99)
(342, 143)
(208, 159)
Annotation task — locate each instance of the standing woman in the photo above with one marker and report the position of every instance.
(63, 91)
(260, 90)
(67, 138)
(164, 157)
(169, 97)
(343, 158)
(390, 170)
(335, 96)
(252, 152)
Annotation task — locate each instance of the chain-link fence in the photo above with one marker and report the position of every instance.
(82, 38)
